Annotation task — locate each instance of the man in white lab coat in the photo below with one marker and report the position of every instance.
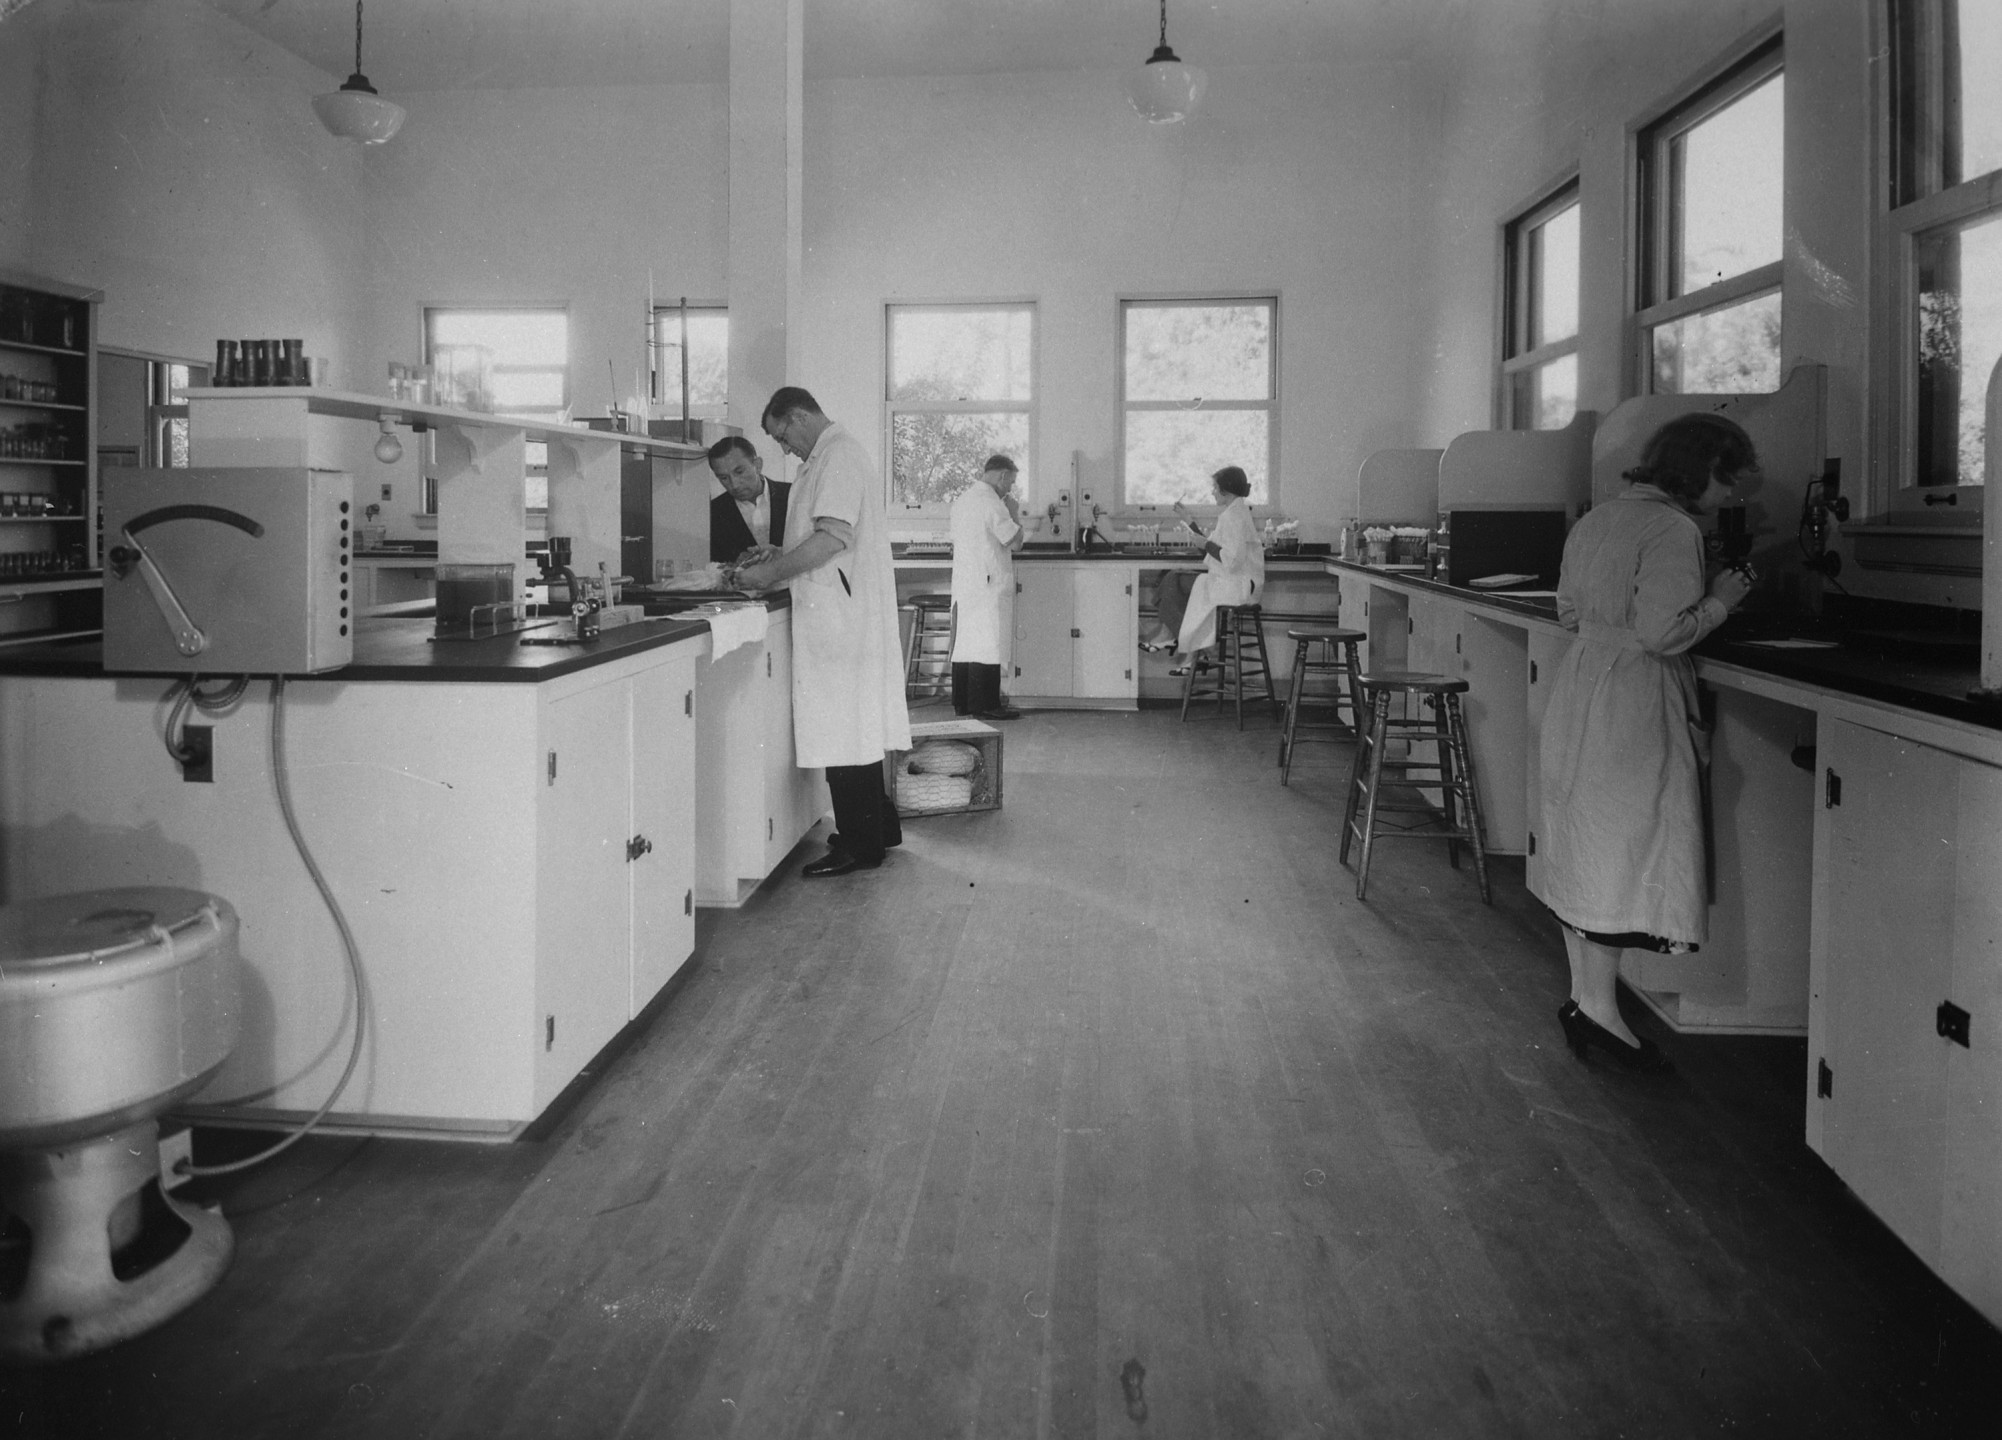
(986, 533)
(848, 706)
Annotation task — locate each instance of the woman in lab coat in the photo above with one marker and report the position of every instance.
(1621, 832)
(1233, 570)
(986, 533)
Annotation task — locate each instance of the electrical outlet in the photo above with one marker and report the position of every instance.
(177, 1147)
(198, 745)
(386, 488)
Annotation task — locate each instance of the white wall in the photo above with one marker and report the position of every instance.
(177, 166)
(1049, 187)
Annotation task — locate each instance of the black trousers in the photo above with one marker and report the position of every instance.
(976, 688)
(864, 816)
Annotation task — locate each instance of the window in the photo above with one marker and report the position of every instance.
(1945, 236)
(1198, 390)
(523, 355)
(1539, 370)
(167, 417)
(960, 386)
(1712, 235)
(700, 335)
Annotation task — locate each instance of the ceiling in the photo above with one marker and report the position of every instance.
(508, 44)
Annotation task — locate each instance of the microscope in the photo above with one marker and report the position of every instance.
(583, 605)
(1821, 503)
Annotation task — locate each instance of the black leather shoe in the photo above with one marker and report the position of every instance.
(835, 862)
(1004, 712)
(838, 841)
(1581, 1032)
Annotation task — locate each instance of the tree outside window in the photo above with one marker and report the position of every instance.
(700, 334)
(960, 386)
(1198, 391)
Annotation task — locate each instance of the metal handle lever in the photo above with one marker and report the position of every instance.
(188, 636)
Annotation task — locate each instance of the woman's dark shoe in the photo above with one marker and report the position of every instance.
(1581, 1032)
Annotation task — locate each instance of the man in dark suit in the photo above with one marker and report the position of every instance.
(751, 511)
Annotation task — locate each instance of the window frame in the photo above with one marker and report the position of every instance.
(1914, 201)
(666, 383)
(1517, 297)
(1122, 501)
(891, 409)
(427, 481)
(1657, 207)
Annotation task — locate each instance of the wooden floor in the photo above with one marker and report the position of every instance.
(1108, 1114)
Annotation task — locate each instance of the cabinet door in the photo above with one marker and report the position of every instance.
(1106, 617)
(1970, 1242)
(1545, 651)
(1890, 898)
(1043, 611)
(583, 980)
(794, 798)
(661, 877)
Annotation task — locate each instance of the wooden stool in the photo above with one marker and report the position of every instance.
(1452, 770)
(1240, 632)
(1337, 652)
(928, 651)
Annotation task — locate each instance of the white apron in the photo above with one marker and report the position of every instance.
(847, 664)
(1621, 829)
(1231, 578)
(983, 576)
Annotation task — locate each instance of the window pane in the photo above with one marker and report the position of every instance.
(1960, 340)
(1171, 454)
(1545, 397)
(1979, 61)
(1735, 350)
(1199, 352)
(527, 390)
(516, 337)
(1728, 211)
(708, 360)
(1553, 260)
(932, 456)
(960, 353)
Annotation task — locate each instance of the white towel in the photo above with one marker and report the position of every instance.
(734, 625)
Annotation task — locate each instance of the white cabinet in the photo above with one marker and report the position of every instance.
(753, 802)
(1908, 902)
(1076, 635)
(1545, 650)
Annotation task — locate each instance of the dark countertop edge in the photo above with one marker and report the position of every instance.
(1545, 609)
(1192, 557)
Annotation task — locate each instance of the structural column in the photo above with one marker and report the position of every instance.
(766, 128)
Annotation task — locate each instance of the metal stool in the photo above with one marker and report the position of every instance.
(928, 650)
(1452, 771)
(1240, 632)
(1337, 657)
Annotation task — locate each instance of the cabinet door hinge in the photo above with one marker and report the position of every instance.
(1410, 626)
(637, 846)
(1076, 634)
(1824, 1080)
(688, 702)
(1129, 674)
(1951, 1022)
(688, 902)
(1532, 842)
(1129, 589)
(1532, 672)
(549, 1032)
(771, 829)
(552, 767)
(1456, 644)
(1831, 793)
(768, 665)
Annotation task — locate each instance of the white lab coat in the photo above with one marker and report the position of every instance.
(1233, 577)
(1621, 829)
(847, 666)
(983, 576)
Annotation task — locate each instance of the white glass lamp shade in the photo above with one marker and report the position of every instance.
(356, 112)
(1165, 90)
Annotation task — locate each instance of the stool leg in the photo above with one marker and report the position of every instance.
(1358, 767)
(1379, 722)
(1192, 661)
(1449, 789)
(1289, 726)
(1354, 662)
(1476, 823)
(1265, 662)
(1237, 667)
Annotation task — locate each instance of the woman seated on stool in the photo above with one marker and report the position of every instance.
(1233, 571)
(1623, 741)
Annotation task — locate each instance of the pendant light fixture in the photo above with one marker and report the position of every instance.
(1165, 90)
(355, 111)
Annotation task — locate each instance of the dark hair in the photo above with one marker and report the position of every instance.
(785, 400)
(722, 448)
(1682, 455)
(997, 462)
(1233, 480)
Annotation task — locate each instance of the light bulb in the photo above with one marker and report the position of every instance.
(388, 449)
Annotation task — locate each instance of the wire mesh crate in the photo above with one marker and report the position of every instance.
(952, 767)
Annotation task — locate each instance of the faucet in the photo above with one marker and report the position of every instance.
(556, 566)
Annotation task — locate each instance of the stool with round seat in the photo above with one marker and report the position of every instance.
(1321, 652)
(114, 1004)
(1450, 771)
(928, 651)
(1240, 660)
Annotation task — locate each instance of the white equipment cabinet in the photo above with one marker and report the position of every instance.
(515, 858)
(1076, 635)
